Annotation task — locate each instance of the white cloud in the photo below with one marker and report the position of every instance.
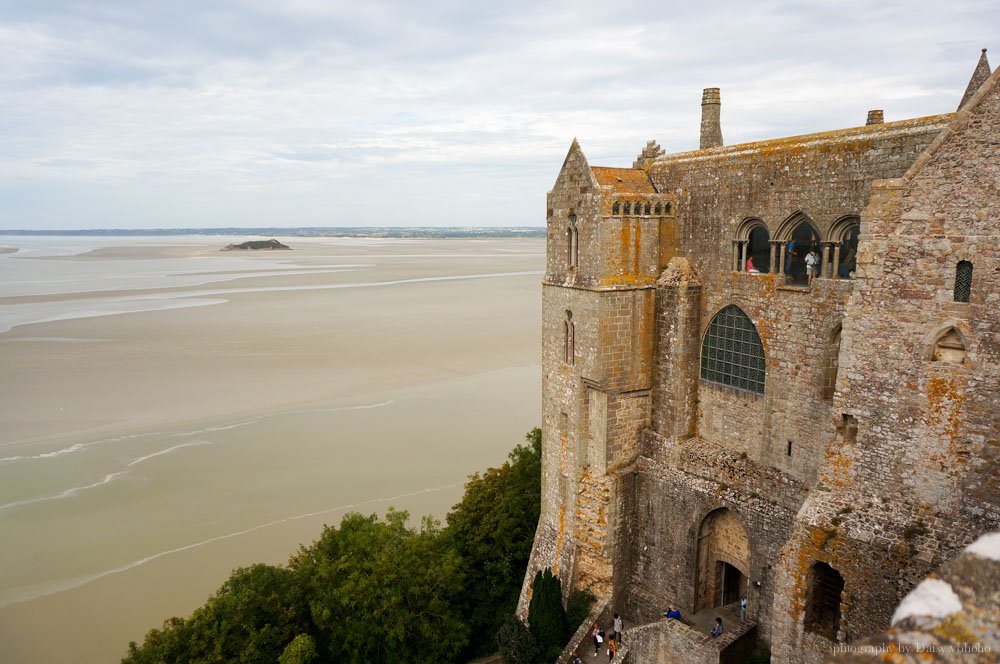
(303, 112)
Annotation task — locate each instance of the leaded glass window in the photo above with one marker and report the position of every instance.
(963, 281)
(732, 353)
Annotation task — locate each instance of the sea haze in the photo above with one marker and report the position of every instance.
(171, 411)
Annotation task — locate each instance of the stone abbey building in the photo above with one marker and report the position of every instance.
(717, 423)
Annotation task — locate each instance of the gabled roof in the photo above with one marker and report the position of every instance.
(624, 180)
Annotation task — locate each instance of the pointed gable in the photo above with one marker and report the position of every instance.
(952, 188)
(575, 171)
(979, 76)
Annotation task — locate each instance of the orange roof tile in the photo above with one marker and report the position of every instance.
(624, 180)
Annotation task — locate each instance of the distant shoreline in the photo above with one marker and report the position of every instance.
(307, 231)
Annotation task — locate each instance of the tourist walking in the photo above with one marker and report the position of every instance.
(743, 607)
(612, 648)
(618, 628)
(596, 633)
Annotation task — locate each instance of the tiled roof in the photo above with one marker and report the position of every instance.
(624, 180)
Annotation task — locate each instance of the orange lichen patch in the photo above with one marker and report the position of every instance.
(944, 405)
(624, 180)
(559, 538)
(627, 280)
(668, 242)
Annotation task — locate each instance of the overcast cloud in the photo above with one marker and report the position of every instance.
(308, 113)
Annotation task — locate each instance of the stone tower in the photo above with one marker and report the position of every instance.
(609, 232)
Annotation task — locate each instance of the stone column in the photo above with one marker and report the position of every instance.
(825, 260)
(770, 262)
(836, 261)
(744, 245)
(781, 259)
(736, 255)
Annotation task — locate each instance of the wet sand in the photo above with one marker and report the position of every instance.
(233, 431)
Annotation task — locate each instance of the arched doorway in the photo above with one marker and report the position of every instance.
(723, 560)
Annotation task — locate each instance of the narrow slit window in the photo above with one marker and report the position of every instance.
(963, 281)
(569, 339)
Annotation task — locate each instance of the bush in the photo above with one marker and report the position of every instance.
(515, 643)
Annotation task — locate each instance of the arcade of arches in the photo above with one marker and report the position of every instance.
(755, 251)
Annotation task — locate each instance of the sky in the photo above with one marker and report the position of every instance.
(156, 114)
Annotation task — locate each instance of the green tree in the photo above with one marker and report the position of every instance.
(493, 529)
(546, 615)
(168, 644)
(515, 642)
(381, 592)
(251, 618)
(302, 650)
(577, 609)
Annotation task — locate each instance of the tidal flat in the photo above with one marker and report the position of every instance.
(171, 412)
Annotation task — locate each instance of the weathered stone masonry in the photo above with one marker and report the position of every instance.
(827, 445)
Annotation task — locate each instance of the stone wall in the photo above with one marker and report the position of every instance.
(673, 641)
(910, 477)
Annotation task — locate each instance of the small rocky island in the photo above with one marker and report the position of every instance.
(256, 245)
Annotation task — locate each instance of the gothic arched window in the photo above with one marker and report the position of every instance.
(616, 208)
(732, 353)
(963, 281)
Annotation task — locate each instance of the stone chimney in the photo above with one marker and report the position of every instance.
(875, 117)
(711, 129)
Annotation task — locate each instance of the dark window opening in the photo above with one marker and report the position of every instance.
(803, 241)
(963, 281)
(616, 208)
(649, 208)
(789, 450)
(826, 586)
(849, 254)
(659, 208)
(759, 251)
(628, 208)
(732, 353)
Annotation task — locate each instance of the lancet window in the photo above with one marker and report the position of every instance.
(569, 339)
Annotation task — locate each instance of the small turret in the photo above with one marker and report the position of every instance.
(711, 129)
(979, 77)
(875, 117)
